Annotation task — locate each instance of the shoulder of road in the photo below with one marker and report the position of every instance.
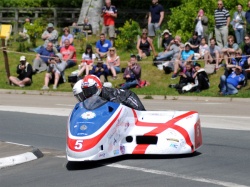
(13, 154)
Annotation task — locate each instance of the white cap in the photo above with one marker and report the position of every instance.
(22, 58)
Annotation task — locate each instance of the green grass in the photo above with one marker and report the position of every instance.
(159, 81)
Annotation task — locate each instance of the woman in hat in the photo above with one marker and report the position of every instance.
(113, 62)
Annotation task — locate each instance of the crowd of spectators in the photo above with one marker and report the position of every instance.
(177, 57)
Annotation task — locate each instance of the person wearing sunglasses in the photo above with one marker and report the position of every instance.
(222, 21)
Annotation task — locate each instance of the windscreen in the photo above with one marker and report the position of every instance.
(94, 102)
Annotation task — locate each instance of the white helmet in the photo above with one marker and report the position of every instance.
(91, 85)
(77, 91)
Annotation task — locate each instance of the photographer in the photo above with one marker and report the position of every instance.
(132, 74)
(101, 71)
(24, 71)
(55, 71)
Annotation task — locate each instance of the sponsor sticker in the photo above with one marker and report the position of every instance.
(122, 149)
(102, 155)
(83, 127)
(88, 115)
(116, 152)
(172, 139)
(173, 145)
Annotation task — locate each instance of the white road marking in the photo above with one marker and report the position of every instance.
(18, 144)
(171, 174)
(64, 105)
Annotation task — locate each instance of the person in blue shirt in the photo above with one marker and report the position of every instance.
(102, 46)
(185, 56)
(230, 85)
(101, 71)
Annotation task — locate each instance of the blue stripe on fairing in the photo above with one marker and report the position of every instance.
(102, 116)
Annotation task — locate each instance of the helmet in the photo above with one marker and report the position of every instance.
(91, 85)
(77, 91)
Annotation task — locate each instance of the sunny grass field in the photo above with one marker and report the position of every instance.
(159, 81)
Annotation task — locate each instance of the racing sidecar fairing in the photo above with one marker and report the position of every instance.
(98, 129)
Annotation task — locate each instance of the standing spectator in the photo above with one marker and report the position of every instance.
(102, 47)
(113, 62)
(55, 71)
(109, 13)
(230, 85)
(132, 74)
(213, 55)
(238, 24)
(195, 42)
(50, 35)
(40, 63)
(222, 20)
(201, 25)
(24, 33)
(69, 53)
(24, 71)
(185, 56)
(229, 49)
(144, 44)
(100, 70)
(155, 17)
(247, 16)
(66, 35)
(87, 61)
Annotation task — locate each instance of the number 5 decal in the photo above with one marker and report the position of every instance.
(78, 144)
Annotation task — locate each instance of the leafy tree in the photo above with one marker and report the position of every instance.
(22, 3)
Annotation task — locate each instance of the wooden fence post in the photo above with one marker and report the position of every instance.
(6, 60)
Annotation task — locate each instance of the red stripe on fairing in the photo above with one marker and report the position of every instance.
(90, 143)
(160, 127)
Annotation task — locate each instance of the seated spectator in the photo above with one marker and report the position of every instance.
(186, 77)
(203, 48)
(102, 47)
(132, 74)
(87, 27)
(40, 63)
(69, 53)
(24, 71)
(113, 62)
(185, 56)
(66, 35)
(24, 33)
(201, 79)
(100, 70)
(171, 51)
(144, 45)
(230, 85)
(167, 38)
(229, 49)
(50, 35)
(195, 42)
(213, 55)
(55, 72)
(88, 58)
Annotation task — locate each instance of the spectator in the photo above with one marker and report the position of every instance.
(100, 70)
(66, 35)
(203, 48)
(24, 71)
(144, 44)
(113, 62)
(50, 35)
(167, 38)
(213, 55)
(87, 27)
(69, 53)
(102, 47)
(109, 13)
(87, 61)
(132, 74)
(155, 18)
(222, 20)
(195, 42)
(24, 32)
(230, 85)
(247, 16)
(40, 63)
(201, 79)
(201, 25)
(171, 51)
(238, 24)
(55, 72)
(246, 48)
(184, 57)
(229, 49)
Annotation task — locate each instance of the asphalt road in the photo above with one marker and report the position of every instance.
(222, 161)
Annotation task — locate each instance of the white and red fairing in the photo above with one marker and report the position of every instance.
(128, 131)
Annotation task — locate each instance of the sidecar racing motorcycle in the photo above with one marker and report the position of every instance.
(98, 129)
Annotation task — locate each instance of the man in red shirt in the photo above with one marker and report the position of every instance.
(109, 13)
(69, 54)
